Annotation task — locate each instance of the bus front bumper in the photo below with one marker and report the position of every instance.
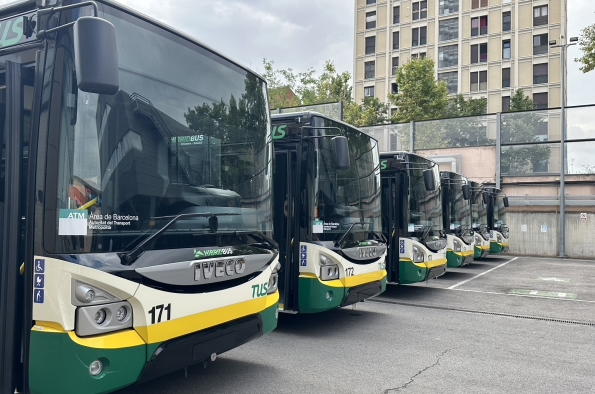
(458, 259)
(481, 251)
(363, 292)
(497, 247)
(410, 272)
(60, 360)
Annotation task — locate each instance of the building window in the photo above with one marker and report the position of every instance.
(368, 2)
(506, 77)
(475, 4)
(540, 73)
(395, 65)
(540, 45)
(395, 40)
(419, 10)
(448, 56)
(506, 21)
(369, 70)
(452, 81)
(421, 55)
(479, 53)
(394, 88)
(370, 45)
(540, 100)
(419, 36)
(540, 15)
(371, 20)
(479, 81)
(449, 29)
(479, 26)
(396, 15)
(448, 7)
(368, 91)
(506, 52)
(505, 103)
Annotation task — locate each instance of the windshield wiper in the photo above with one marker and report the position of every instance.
(130, 257)
(340, 241)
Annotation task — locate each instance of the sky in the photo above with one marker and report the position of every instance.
(300, 34)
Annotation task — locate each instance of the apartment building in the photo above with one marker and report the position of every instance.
(482, 48)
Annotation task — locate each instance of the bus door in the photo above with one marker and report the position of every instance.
(390, 226)
(16, 99)
(286, 199)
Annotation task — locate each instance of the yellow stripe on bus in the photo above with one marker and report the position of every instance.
(167, 330)
(186, 325)
(362, 279)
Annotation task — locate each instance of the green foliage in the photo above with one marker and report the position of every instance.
(371, 112)
(460, 106)
(289, 89)
(520, 102)
(587, 45)
(420, 95)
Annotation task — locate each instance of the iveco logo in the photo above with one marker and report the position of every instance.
(366, 253)
(221, 268)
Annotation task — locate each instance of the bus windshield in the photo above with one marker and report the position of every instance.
(188, 133)
(499, 214)
(460, 213)
(343, 200)
(425, 206)
(479, 210)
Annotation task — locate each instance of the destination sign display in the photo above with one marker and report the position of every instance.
(12, 31)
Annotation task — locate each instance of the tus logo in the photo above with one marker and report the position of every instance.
(260, 290)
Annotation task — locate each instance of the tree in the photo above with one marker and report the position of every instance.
(587, 45)
(371, 112)
(466, 126)
(522, 126)
(289, 89)
(420, 95)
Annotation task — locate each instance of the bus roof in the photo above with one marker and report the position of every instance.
(16, 5)
(310, 114)
(390, 155)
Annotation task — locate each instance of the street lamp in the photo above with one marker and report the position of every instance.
(573, 41)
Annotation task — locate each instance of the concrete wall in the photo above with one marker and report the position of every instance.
(579, 234)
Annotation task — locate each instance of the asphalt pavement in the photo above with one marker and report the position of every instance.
(500, 325)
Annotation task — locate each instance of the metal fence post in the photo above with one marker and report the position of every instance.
(411, 135)
(498, 148)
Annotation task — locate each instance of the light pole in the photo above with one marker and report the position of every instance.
(573, 41)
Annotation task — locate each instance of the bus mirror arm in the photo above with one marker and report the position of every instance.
(134, 254)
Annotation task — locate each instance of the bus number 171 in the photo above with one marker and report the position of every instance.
(157, 318)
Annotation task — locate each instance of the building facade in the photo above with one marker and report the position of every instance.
(482, 48)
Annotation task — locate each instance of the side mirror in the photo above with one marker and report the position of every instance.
(486, 197)
(505, 199)
(341, 150)
(429, 180)
(96, 56)
(466, 192)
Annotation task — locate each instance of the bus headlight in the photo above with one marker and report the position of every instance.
(499, 238)
(86, 294)
(456, 246)
(273, 283)
(477, 240)
(328, 270)
(418, 255)
(101, 319)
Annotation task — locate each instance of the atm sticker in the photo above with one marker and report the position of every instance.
(318, 227)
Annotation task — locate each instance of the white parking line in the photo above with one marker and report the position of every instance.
(525, 295)
(483, 273)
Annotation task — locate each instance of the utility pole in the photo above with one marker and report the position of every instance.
(562, 249)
